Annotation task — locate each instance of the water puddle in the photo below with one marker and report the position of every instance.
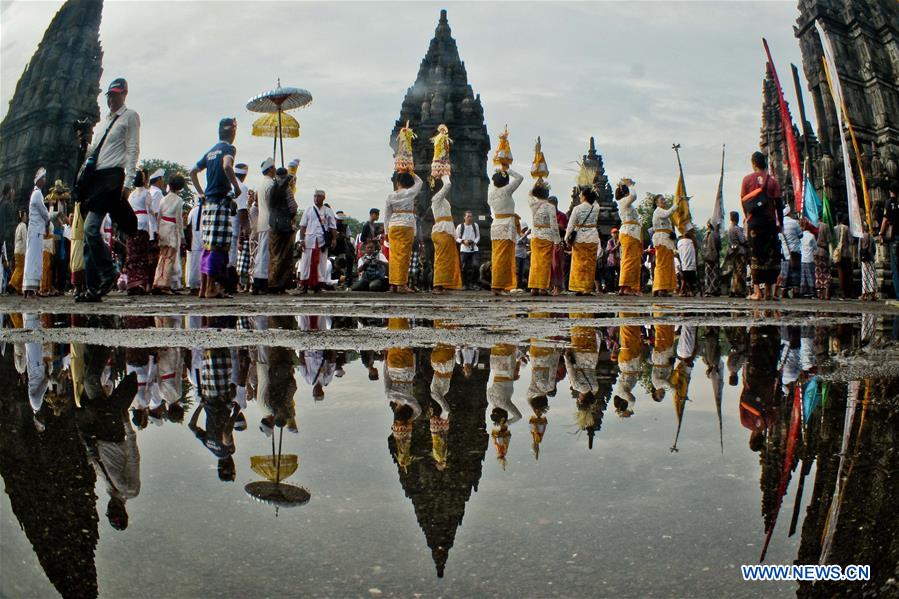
(630, 460)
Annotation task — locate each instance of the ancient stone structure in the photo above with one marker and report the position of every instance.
(441, 94)
(865, 36)
(59, 86)
(608, 211)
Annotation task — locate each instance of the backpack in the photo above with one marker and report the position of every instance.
(755, 203)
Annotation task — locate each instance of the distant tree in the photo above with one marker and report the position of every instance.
(171, 168)
(354, 226)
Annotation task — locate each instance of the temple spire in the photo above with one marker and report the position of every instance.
(59, 85)
(441, 94)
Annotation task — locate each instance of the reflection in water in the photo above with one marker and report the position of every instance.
(72, 416)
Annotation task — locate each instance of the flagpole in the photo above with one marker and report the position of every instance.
(680, 167)
(806, 132)
(858, 156)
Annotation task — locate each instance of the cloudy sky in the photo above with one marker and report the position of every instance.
(636, 75)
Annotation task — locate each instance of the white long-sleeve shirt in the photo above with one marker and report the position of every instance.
(662, 227)
(263, 197)
(400, 209)
(122, 146)
(545, 225)
(583, 219)
(503, 207)
(443, 212)
(630, 220)
(156, 196)
(170, 223)
(21, 239)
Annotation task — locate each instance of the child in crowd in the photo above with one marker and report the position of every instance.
(809, 248)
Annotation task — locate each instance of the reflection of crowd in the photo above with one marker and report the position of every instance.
(442, 398)
(117, 393)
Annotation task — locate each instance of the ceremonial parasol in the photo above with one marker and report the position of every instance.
(267, 126)
(277, 101)
(276, 467)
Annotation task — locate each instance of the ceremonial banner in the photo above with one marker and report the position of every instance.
(718, 210)
(826, 214)
(681, 217)
(811, 203)
(836, 92)
(787, 122)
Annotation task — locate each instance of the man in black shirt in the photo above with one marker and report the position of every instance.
(372, 229)
(889, 233)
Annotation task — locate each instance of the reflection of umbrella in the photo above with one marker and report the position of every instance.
(267, 126)
(276, 467)
(277, 101)
(272, 468)
(277, 494)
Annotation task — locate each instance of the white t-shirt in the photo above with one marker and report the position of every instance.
(686, 249)
(809, 246)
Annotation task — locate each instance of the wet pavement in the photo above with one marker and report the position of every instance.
(577, 450)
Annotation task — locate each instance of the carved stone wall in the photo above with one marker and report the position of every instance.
(59, 85)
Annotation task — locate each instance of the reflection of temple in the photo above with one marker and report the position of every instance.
(50, 487)
(439, 496)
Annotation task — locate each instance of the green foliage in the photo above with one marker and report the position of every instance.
(354, 226)
(171, 168)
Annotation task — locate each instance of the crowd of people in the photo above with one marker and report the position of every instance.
(130, 230)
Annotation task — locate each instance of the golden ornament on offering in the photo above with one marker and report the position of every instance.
(403, 161)
(440, 165)
(503, 155)
(539, 170)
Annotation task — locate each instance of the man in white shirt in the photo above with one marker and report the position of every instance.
(240, 231)
(808, 248)
(468, 235)
(317, 219)
(791, 267)
(263, 201)
(111, 160)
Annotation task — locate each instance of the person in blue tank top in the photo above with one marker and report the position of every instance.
(222, 185)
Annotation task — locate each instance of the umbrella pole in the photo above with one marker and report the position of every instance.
(280, 136)
(278, 464)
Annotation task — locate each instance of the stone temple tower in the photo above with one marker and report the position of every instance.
(60, 85)
(865, 36)
(441, 94)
